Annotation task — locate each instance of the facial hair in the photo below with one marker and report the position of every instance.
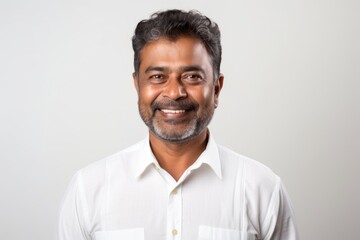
(193, 127)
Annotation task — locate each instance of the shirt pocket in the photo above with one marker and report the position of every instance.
(211, 233)
(124, 234)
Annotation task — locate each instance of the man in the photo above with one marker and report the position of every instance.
(177, 183)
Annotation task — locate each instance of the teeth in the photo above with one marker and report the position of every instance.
(172, 111)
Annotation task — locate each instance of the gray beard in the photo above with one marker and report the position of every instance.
(191, 131)
(193, 128)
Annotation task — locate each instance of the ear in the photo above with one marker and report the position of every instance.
(218, 84)
(136, 82)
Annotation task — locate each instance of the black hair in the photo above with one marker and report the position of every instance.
(172, 24)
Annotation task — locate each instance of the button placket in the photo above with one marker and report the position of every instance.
(174, 214)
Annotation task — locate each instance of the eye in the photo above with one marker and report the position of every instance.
(157, 78)
(193, 78)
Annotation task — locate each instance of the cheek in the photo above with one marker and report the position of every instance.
(205, 96)
(148, 94)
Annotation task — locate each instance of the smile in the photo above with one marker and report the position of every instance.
(172, 111)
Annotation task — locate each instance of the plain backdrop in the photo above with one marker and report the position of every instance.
(290, 100)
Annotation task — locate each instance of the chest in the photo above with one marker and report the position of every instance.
(199, 208)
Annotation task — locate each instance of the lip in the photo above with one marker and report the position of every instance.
(172, 114)
(173, 111)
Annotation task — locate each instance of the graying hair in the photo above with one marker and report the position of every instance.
(172, 24)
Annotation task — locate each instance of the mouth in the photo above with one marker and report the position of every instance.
(173, 111)
(175, 116)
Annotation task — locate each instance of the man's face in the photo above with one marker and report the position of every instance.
(176, 88)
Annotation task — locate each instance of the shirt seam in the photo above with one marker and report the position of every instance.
(84, 223)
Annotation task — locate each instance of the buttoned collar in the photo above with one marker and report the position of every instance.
(146, 158)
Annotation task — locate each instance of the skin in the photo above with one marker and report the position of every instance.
(177, 96)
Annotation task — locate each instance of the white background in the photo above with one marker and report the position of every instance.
(290, 100)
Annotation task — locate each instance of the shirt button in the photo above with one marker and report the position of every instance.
(174, 192)
(174, 232)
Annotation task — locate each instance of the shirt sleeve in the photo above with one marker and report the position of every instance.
(71, 223)
(279, 223)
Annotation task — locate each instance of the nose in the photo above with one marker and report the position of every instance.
(174, 89)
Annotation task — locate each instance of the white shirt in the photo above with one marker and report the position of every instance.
(222, 196)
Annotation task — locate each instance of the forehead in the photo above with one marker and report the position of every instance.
(181, 51)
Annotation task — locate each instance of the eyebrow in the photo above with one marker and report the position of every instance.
(192, 68)
(157, 69)
(166, 69)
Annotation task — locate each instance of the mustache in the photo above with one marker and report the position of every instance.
(179, 104)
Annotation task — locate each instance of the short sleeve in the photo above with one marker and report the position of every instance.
(71, 225)
(279, 223)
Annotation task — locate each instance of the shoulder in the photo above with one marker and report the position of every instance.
(262, 189)
(97, 172)
(254, 174)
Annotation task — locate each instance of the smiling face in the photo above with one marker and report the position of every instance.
(177, 93)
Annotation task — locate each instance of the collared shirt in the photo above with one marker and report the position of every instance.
(222, 196)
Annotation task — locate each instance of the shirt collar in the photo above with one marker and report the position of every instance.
(210, 156)
(144, 159)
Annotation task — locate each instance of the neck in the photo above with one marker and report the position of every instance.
(175, 157)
